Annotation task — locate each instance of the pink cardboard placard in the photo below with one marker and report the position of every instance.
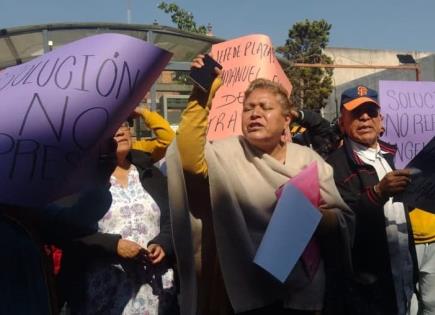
(243, 59)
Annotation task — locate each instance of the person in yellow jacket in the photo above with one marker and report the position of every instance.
(163, 132)
(423, 226)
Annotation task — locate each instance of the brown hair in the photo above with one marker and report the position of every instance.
(277, 89)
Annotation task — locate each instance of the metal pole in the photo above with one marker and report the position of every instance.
(153, 91)
(128, 11)
(45, 45)
(415, 67)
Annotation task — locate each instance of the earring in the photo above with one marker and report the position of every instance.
(286, 135)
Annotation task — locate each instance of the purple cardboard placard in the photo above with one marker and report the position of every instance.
(56, 110)
(408, 108)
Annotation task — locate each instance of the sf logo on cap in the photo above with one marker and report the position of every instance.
(362, 90)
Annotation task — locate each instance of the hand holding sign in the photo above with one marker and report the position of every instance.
(56, 109)
(393, 183)
(204, 71)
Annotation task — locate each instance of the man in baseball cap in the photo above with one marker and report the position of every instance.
(365, 177)
(360, 115)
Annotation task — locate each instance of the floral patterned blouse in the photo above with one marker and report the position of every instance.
(130, 288)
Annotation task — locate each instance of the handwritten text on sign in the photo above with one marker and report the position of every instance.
(243, 59)
(56, 109)
(409, 116)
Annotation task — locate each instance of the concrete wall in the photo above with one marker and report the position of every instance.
(346, 78)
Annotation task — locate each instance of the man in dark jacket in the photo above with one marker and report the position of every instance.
(382, 282)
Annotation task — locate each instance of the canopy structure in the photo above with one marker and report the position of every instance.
(20, 44)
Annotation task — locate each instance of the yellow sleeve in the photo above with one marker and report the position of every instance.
(423, 226)
(192, 131)
(164, 135)
(191, 138)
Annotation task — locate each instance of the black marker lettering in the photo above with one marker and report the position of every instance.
(56, 76)
(57, 133)
(19, 151)
(83, 80)
(42, 70)
(115, 75)
(11, 146)
(125, 69)
(232, 121)
(82, 146)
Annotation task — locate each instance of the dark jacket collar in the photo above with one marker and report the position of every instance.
(389, 149)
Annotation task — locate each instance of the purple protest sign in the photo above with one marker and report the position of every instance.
(56, 110)
(409, 116)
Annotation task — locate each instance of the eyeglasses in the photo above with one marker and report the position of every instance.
(371, 110)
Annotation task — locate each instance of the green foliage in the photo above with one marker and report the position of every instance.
(305, 44)
(182, 18)
(185, 22)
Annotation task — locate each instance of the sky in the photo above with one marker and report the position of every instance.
(402, 25)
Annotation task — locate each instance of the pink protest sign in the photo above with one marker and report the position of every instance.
(408, 108)
(56, 110)
(243, 59)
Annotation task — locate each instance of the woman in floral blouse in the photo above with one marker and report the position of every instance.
(126, 267)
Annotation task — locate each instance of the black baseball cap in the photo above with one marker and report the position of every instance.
(358, 95)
